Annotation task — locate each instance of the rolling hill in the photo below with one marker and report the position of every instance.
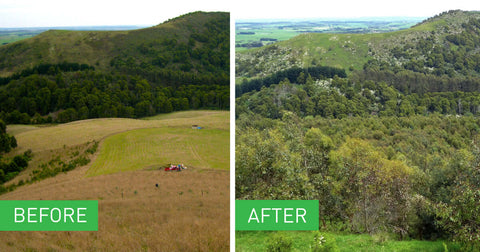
(98, 48)
(448, 34)
(181, 64)
(409, 100)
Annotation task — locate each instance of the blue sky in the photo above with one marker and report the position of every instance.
(41, 13)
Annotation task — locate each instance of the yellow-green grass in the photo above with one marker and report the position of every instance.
(80, 132)
(140, 210)
(153, 148)
(218, 115)
(188, 211)
(47, 142)
(19, 128)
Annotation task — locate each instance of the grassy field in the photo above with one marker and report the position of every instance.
(248, 31)
(157, 147)
(10, 36)
(49, 141)
(302, 240)
(139, 209)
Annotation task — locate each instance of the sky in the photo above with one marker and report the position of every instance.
(350, 8)
(49, 13)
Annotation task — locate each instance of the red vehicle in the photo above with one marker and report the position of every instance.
(174, 168)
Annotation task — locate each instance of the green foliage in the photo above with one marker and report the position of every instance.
(279, 242)
(7, 142)
(179, 65)
(91, 94)
(294, 74)
(390, 151)
(56, 165)
(9, 168)
(302, 241)
(459, 213)
(376, 174)
(323, 242)
(340, 97)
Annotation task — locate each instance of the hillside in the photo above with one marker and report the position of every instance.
(389, 147)
(448, 34)
(140, 205)
(180, 64)
(99, 48)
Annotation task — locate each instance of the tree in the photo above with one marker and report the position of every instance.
(460, 214)
(375, 190)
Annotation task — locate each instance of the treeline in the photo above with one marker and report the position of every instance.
(153, 70)
(407, 81)
(89, 94)
(47, 69)
(416, 177)
(293, 75)
(9, 168)
(340, 98)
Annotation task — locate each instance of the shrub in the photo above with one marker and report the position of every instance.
(323, 242)
(280, 243)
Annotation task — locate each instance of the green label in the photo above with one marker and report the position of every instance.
(276, 215)
(48, 215)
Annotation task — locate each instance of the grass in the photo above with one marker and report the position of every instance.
(11, 36)
(96, 48)
(188, 211)
(153, 219)
(139, 149)
(258, 240)
(98, 129)
(347, 51)
(284, 30)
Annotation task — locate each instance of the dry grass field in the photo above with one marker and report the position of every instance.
(188, 211)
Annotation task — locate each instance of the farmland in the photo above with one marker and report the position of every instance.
(140, 207)
(10, 35)
(157, 147)
(257, 33)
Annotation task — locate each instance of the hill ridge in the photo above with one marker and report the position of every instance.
(350, 51)
(95, 47)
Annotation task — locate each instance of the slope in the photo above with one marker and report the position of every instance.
(99, 48)
(144, 208)
(353, 51)
(63, 76)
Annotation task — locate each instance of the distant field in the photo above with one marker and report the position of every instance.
(10, 35)
(250, 33)
(157, 147)
(140, 208)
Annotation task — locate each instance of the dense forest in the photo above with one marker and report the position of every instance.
(179, 65)
(378, 160)
(390, 148)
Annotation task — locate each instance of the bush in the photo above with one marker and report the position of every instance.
(280, 243)
(21, 161)
(323, 242)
